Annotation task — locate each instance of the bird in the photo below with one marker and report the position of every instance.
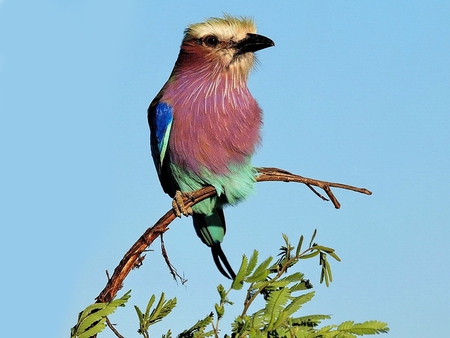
(205, 124)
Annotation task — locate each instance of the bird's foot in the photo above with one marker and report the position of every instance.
(178, 204)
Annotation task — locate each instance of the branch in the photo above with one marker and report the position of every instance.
(134, 257)
(275, 174)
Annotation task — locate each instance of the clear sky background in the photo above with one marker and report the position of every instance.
(356, 92)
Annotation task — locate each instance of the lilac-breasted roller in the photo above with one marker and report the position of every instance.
(205, 124)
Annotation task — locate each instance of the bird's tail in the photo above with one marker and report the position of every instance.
(211, 230)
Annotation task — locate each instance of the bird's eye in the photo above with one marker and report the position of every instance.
(211, 41)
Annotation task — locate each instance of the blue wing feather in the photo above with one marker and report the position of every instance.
(161, 122)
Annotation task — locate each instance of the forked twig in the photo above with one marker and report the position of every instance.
(275, 174)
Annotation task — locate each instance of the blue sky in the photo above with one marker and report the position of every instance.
(356, 92)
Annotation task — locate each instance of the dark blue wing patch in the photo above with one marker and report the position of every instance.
(162, 123)
(163, 119)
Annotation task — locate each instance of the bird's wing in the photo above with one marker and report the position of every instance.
(160, 119)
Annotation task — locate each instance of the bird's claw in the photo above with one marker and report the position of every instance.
(178, 205)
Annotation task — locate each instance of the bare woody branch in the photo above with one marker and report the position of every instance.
(135, 255)
(275, 174)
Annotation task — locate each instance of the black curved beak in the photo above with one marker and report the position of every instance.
(253, 43)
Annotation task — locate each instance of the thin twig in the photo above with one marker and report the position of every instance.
(113, 329)
(317, 193)
(172, 269)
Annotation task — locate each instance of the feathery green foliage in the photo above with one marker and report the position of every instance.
(92, 320)
(198, 330)
(147, 318)
(284, 295)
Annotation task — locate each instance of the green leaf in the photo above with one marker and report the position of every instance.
(369, 327)
(311, 255)
(322, 248)
(312, 238)
(93, 330)
(328, 267)
(345, 326)
(286, 240)
(324, 276)
(89, 316)
(237, 282)
(162, 309)
(92, 320)
(325, 329)
(297, 302)
(220, 310)
(299, 246)
(198, 327)
(150, 317)
(139, 313)
(336, 257)
(222, 292)
(278, 283)
(326, 270)
(275, 303)
(149, 306)
(295, 277)
(261, 271)
(252, 263)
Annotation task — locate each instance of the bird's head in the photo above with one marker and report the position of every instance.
(227, 44)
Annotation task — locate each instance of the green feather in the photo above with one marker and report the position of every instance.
(231, 189)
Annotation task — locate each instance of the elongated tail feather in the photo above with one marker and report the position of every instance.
(211, 230)
(218, 256)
